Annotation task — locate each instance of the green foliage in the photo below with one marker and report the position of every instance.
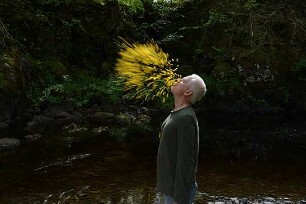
(300, 68)
(2, 82)
(170, 2)
(211, 84)
(53, 2)
(12, 80)
(250, 5)
(78, 90)
(223, 87)
(233, 20)
(227, 81)
(249, 28)
(215, 17)
(134, 6)
(73, 37)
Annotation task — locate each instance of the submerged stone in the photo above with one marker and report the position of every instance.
(32, 137)
(9, 143)
(4, 125)
(102, 117)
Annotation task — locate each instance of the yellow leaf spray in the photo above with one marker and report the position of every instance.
(146, 70)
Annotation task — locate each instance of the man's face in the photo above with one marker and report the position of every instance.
(182, 86)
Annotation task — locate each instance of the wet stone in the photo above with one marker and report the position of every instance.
(243, 201)
(79, 129)
(38, 124)
(250, 200)
(100, 130)
(124, 119)
(9, 143)
(62, 115)
(70, 126)
(269, 199)
(73, 128)
(268, 202)
(143, 119)
(32, 137)
(4, 125)
(102, 117)
(234, 200)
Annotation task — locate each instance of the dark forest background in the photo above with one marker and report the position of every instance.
(251, 53)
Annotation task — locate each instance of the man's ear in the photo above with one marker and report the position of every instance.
(188, 92)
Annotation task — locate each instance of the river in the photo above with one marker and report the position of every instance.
(52, 171)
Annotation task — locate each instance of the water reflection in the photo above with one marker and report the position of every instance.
(62, 162)
(119, 177)
(56, 170)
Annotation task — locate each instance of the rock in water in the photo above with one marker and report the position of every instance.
(9, 143)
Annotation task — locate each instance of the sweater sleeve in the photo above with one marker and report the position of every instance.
(185, 157)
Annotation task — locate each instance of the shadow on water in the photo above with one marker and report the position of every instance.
(54, 170)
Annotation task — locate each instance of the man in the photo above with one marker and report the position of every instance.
(177, 158)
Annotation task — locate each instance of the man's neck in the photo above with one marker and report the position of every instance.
(180, 104)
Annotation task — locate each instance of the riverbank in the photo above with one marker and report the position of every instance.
(236, 136)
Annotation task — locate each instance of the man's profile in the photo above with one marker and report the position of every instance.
(177, 158)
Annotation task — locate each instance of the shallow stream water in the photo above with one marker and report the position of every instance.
(51, 171)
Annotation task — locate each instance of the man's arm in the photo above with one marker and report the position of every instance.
(187, 131)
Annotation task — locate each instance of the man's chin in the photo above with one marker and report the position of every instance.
(172, 88)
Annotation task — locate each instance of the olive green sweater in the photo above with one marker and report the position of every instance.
(177, 158)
